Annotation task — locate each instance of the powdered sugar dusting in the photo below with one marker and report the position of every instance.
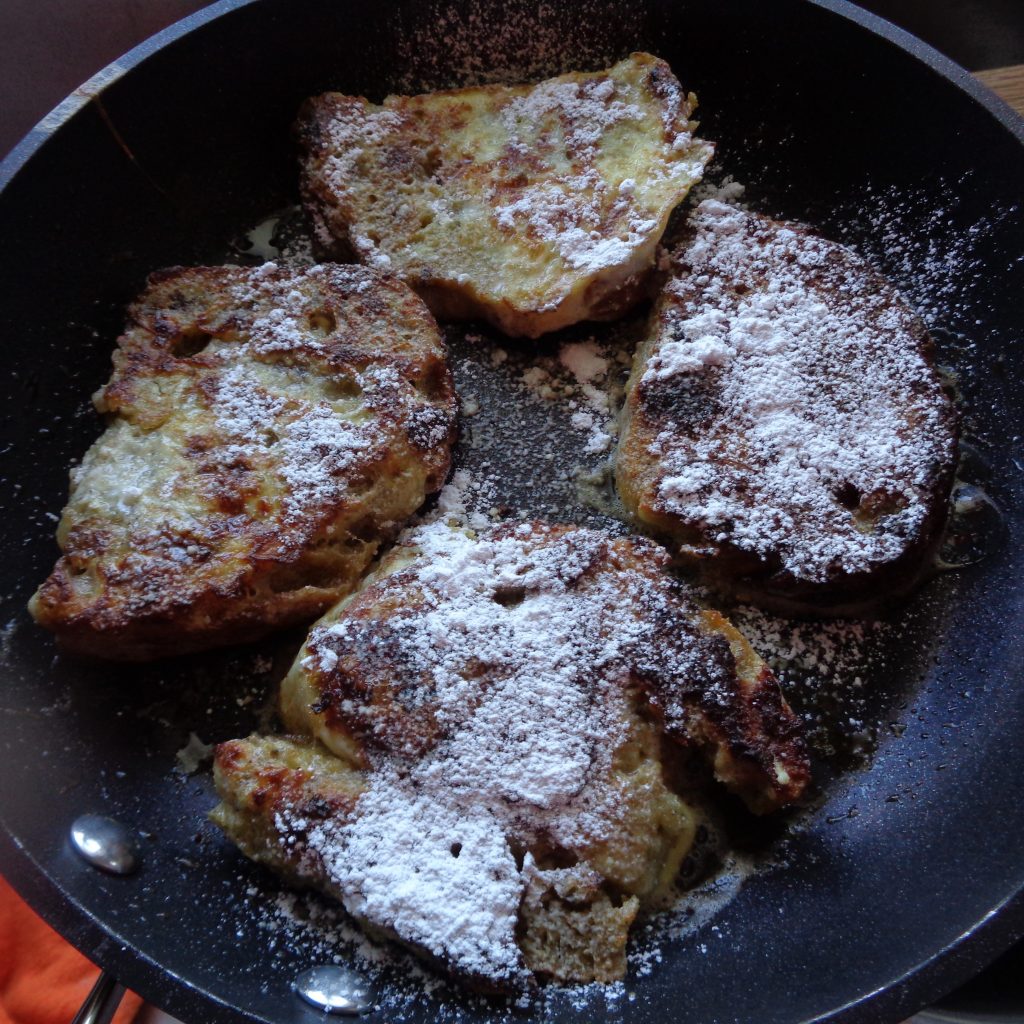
(572, 214)
(724, 188)
(316, 450)
(594, 223)
(442, 46)
(355, 128)
(589, 108)
(464, 501)
(315, 447)
(396, 868)
(822, 425)
(941, 260)
(584, 360)
(826, 669)
(269, 417)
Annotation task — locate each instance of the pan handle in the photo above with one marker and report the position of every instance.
(101, 1003)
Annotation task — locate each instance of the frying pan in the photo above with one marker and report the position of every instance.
(908, 876)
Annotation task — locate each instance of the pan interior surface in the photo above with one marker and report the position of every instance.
(864, 913)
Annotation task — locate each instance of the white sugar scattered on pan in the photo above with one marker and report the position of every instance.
(936, 255)
(442, 46)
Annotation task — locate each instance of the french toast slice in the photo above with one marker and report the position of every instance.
(515, 707)
(267, 430)
(785, 425)
(532, 207)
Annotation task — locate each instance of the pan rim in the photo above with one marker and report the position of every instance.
(948, 967)
(71, 105)
(96, 84)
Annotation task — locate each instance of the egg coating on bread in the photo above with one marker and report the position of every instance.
(267, 430)
(530, 206)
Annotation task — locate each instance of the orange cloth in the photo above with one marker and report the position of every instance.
(43, 980)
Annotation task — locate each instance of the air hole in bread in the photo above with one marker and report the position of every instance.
(433, 384)
(190, 343)
(555, 857)
(431, 161)
(616, 899)
(366, 530)
(322, 321)
(848, 495)
(879, 504)
(342, 387)
(509, 597)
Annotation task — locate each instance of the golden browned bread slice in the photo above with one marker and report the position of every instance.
(508, 704)
(264, 776)
(531, 206)
(267, 430)
(785, 425)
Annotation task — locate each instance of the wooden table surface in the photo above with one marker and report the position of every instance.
(1007, 83)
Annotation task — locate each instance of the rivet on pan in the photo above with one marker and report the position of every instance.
(336, 990)
(105, 843)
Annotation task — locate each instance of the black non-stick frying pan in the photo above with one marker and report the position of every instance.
(908, 877)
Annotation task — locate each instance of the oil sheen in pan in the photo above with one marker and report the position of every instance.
(538, 425)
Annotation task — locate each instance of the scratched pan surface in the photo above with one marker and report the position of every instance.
(908, 875)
